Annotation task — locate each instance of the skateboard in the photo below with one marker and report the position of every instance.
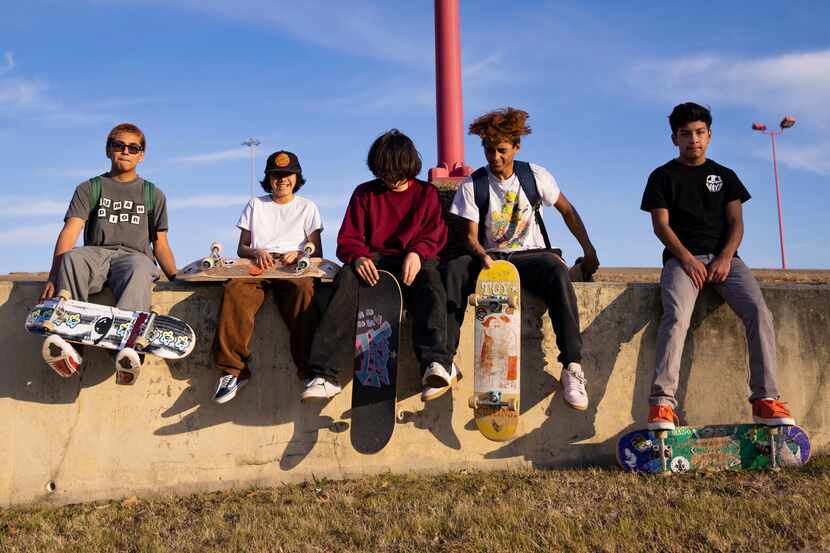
(377, 340)
(217, 268)
(108, 327)
(713, 448)
(498, 329)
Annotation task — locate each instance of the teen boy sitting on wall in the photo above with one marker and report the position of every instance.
(122, 215)
(276, 225)
(393, 223)
(696, 213)
(503, 223)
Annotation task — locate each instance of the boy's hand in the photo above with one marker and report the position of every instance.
(264, 259)
(48, 291)
(411, 266)
(718, 270)
(289, 258)
(366, 269)
(696, 270)
(486, 261)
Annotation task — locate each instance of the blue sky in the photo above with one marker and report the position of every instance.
(324, 78)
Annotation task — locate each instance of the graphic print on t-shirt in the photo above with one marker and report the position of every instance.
(714, 183)
(126, 215)
(510, 225)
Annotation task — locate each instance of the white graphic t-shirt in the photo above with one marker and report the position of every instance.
(280, 228)
(510, 225)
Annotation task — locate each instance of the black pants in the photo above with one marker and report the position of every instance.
(541, 272)
(425, 299)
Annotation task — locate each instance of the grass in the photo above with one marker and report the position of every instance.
(512, 511)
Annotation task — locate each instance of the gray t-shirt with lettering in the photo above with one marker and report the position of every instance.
(121, 218)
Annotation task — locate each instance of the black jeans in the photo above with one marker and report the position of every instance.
(425, 298)
(541, 272)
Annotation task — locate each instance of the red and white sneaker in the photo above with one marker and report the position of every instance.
(771, 412)
(61, 356)
(127, 366)
(661, 417)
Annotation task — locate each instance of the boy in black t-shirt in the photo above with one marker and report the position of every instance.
(695, 207)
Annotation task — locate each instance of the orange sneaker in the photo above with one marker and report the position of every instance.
(661, 417)
(771, 412)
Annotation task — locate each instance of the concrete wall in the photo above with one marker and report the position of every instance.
(89, 439)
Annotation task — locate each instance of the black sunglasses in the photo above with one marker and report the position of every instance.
(119, 146)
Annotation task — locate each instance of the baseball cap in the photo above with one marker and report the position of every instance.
(282, 162)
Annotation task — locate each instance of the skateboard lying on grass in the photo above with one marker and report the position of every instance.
(108, 327)
(377, 341)
(498, 330)
(217, 268)
(713, 448)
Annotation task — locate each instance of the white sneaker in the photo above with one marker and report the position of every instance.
(430, 393)
(573, 381)
(127, 366)
(61, 356)
(436, 376)
(318, 388)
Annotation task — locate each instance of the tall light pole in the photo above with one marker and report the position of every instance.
(252, 143)
(787, 122)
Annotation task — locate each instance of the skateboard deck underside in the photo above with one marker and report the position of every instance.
(228, 268)
(497, 351)
(112, 328)
(377, 339)
(713, 448)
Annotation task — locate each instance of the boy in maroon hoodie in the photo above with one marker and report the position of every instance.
(394, 223)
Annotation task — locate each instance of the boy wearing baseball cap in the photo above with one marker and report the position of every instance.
(124, 219)
(394, 223)
(272, 227)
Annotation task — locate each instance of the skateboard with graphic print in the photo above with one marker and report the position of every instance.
(713, 448)
(498, 330)
(107, 327)
(215, 268)
(377, 340)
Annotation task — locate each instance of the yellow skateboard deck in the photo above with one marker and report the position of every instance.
(498, 330)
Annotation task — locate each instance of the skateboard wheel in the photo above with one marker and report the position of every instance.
(48, 326)
(473, 402)
(513, 301)
(215, 249)
(473, 301)
(513, 404)
(208, 263)
(142, 342)
(309, 248)
(303, 264)
(64, 294)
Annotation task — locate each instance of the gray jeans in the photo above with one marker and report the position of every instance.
(84, 271)
(742, 293)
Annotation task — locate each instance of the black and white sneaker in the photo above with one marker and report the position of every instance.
(228, 385)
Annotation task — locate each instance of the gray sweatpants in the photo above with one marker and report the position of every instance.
(84, 271)
(742, 293)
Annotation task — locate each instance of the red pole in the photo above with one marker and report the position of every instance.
(450, 112)
(778, 197)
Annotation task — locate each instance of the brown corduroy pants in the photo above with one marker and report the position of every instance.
(241, 302)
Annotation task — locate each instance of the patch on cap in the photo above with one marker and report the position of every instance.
(282, 160)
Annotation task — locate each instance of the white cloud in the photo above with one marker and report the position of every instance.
(8, 62)
(797, 82)
(208, 201)
(20, 206)
(34, 234)
(815, 159)
(212, 157)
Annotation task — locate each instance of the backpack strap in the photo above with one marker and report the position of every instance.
(94, 200)
(481, 190)
(150, 206)
(528, 183)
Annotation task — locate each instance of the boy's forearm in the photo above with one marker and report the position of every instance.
(164, 255)
(671, 241)
(578, 230)
(734, 238)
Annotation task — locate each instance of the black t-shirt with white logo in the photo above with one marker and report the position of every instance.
(696, 198)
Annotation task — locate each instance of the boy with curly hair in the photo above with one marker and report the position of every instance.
(501, 203)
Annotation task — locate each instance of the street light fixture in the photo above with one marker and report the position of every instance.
(787, 122)
(252, 143)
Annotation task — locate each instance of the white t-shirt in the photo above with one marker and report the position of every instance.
(510, 224)
(279, 228)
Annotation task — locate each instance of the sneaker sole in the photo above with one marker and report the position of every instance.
(436, 381)
(577, 407)
(316, 399)
(442, 390)
(781, 421)
(660, 426)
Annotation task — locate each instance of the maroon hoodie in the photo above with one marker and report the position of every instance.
(389, 223)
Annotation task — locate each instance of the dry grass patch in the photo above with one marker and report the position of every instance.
(569, 510)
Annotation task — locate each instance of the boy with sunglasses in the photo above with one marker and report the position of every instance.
(276, 225)
(394, 223)
(122, 216)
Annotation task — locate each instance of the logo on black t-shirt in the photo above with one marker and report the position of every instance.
(714, 183)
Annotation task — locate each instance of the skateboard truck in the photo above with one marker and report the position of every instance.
(491, 399)
(214, 259)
